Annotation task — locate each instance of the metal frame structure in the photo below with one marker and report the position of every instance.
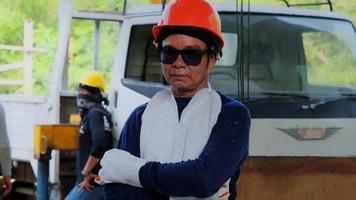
(287, 2)
(327, 2)
(163, 2)
(97, 17)
(58, 83)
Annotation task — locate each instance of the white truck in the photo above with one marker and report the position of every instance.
(294, 69)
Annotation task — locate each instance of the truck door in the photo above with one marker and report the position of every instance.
(301, 94)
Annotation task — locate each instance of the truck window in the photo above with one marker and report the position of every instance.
(142, 60)
(330, 64)
(304, 55)
(223, 77)
(301, 67)
(275, 51)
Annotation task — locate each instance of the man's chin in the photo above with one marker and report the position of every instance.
(181, 91)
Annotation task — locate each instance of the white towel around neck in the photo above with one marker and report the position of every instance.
(166, 139)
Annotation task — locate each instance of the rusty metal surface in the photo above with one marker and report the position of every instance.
(294, 178)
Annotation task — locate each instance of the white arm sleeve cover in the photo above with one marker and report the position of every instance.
(119, 166)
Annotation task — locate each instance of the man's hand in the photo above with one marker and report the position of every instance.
(85, 184)
(8, 185)
(119, 166)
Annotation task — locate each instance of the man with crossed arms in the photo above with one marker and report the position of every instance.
(190, 141)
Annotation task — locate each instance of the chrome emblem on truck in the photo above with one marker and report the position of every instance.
(310, 133)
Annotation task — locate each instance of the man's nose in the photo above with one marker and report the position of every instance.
(179, 62)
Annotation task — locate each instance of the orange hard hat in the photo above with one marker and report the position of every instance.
(198, 14)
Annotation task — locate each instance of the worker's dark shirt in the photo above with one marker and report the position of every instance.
(226, 150)
(95, 137)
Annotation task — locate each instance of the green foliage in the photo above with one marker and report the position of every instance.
(44, 13)
(329, 63)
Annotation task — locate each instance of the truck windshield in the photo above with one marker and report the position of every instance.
(313, 57)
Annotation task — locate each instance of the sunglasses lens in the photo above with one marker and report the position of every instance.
(192, 56)
(168, 55)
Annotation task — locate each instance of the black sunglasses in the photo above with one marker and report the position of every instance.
(168, 55)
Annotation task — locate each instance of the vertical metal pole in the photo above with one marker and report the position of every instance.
(330, 5)
(64, 84)
(247, 74)
(28, 44)
(124, 9)
(42, 179)
(163, 4)
(96, 44)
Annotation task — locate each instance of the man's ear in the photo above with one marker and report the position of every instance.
(212, 60)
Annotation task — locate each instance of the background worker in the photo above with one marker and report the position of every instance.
(94, 139)
(5, 156)
(190, 141)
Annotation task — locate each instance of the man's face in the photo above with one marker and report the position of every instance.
(83, 91)
(185, 79)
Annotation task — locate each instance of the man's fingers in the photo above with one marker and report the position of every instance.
(81, 186)
(86, 186)
(6, 192)
(8, 185)
(90, 187)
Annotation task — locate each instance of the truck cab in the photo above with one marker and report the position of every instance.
(295, 71)
(291, 67)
